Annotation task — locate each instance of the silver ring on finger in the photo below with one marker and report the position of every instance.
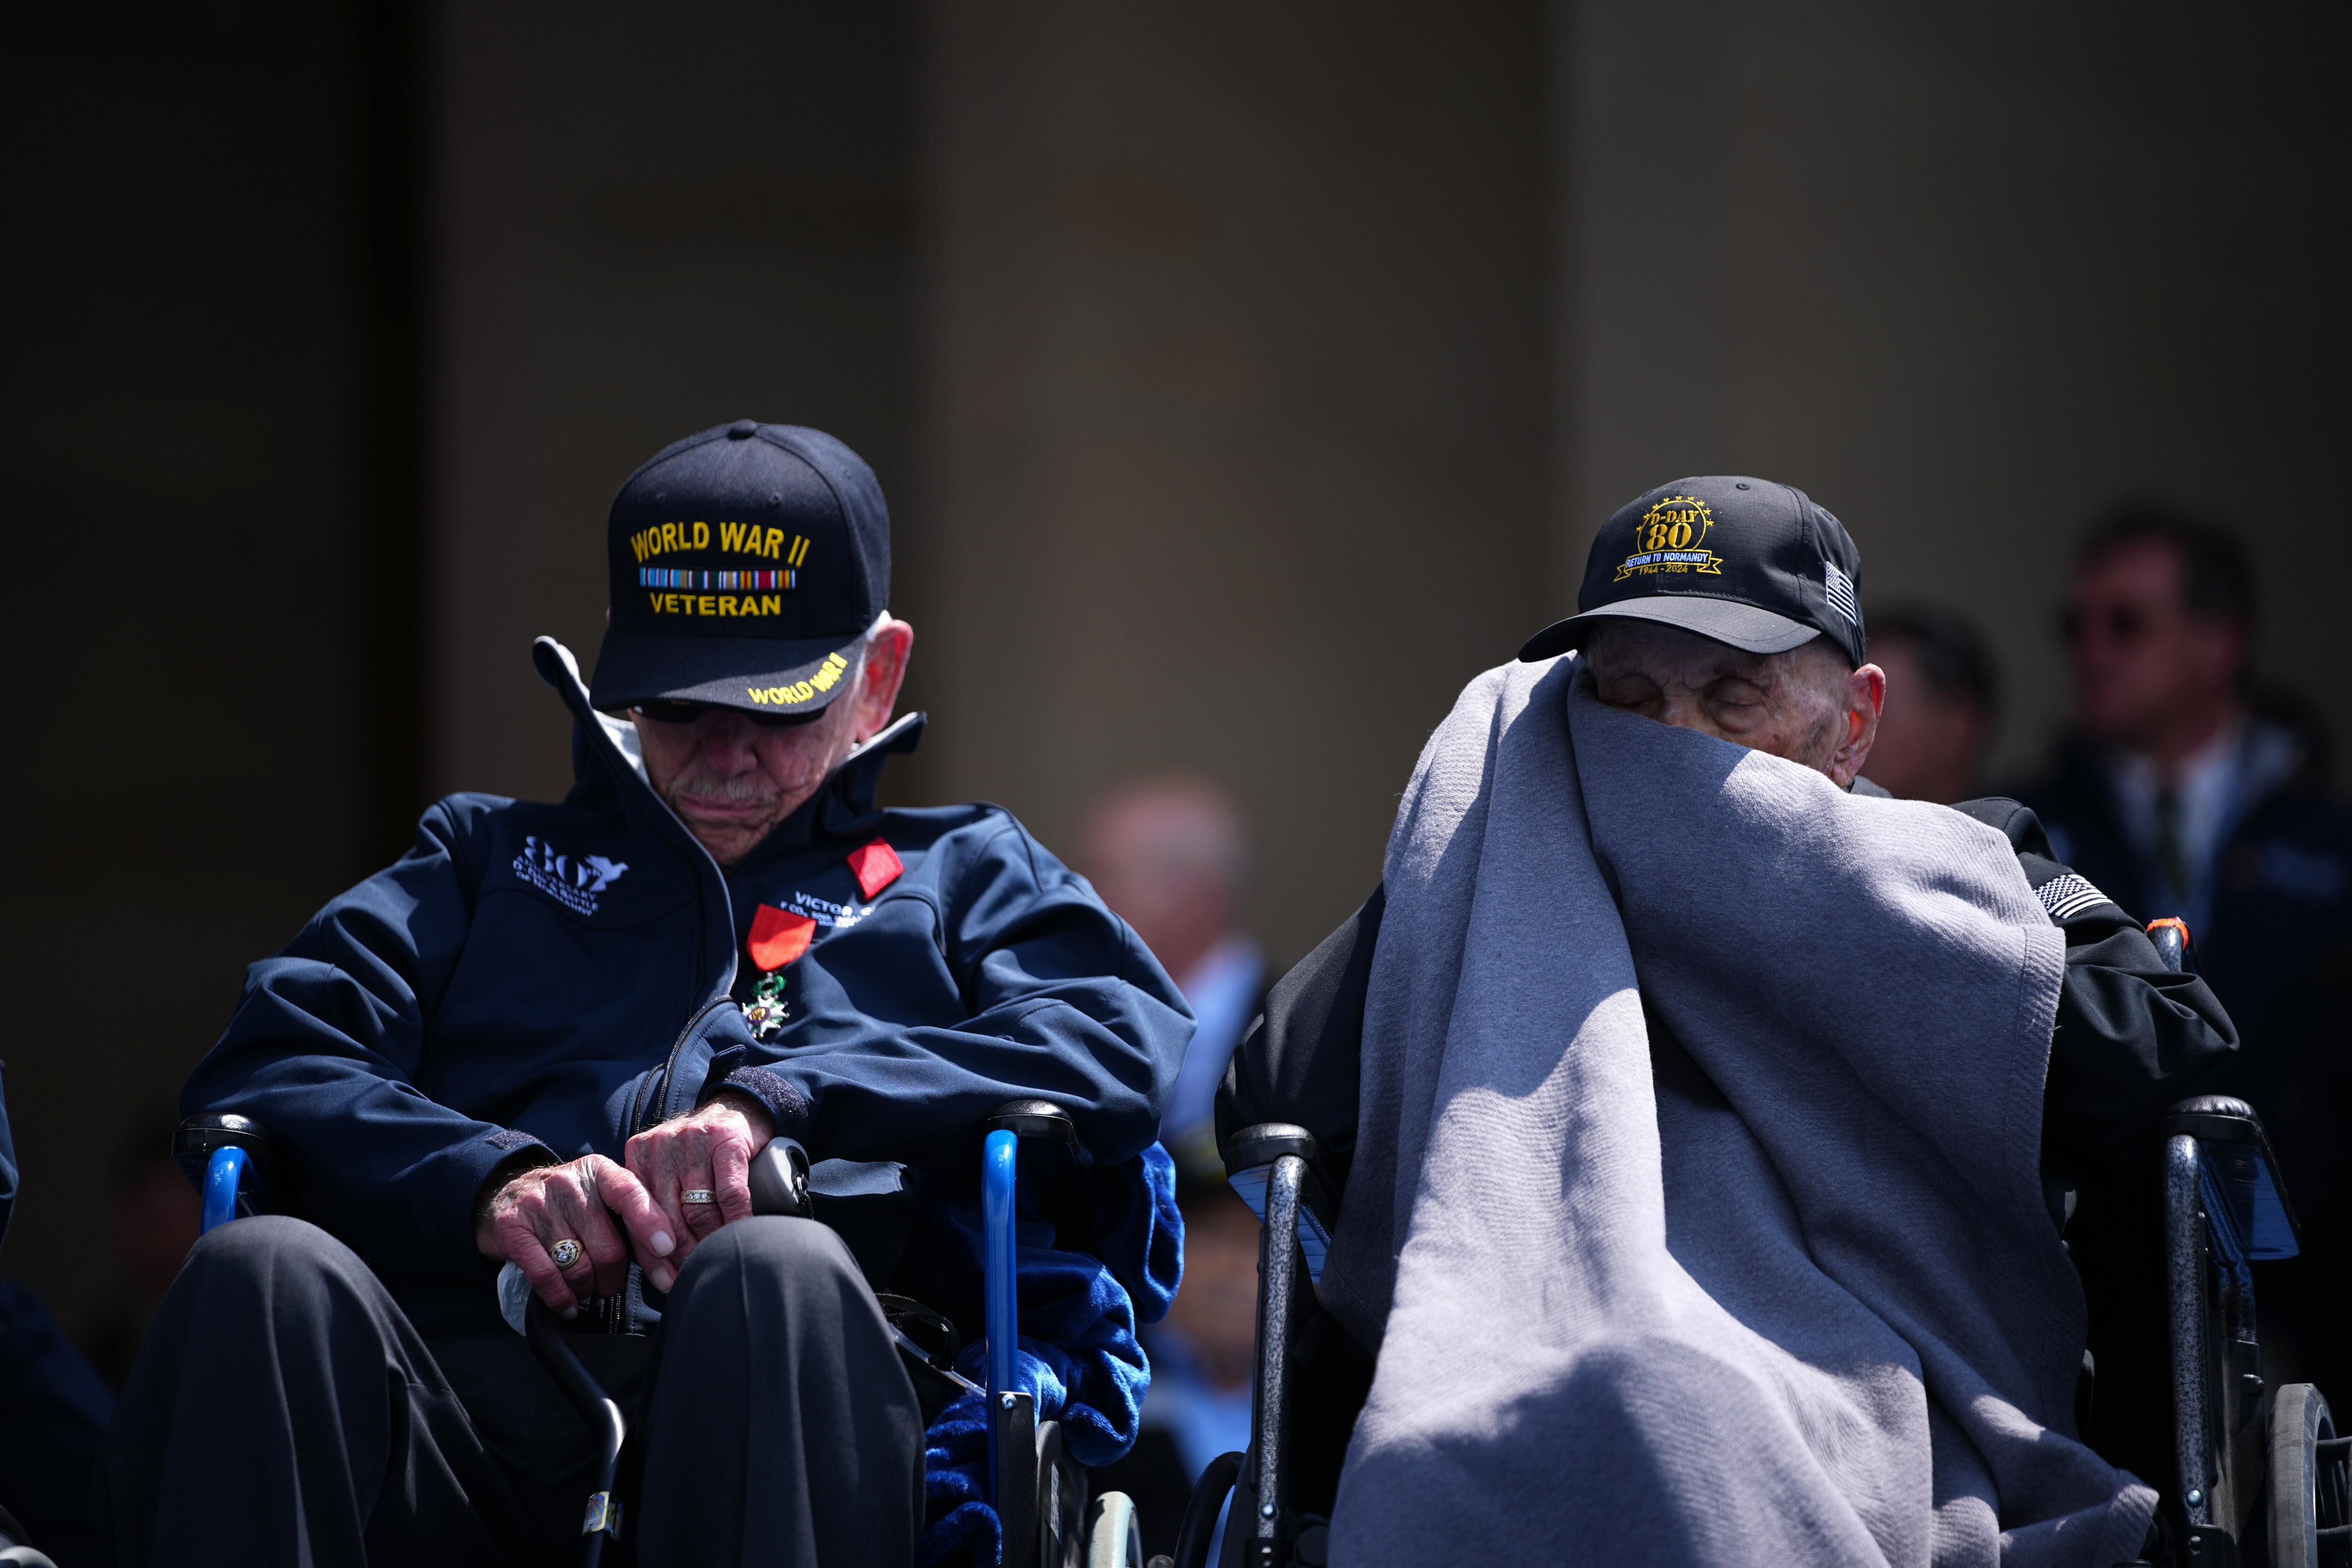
(698, 1196)
(565, 1252)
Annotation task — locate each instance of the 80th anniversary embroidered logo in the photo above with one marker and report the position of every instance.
(573, 881)
(1668, 537)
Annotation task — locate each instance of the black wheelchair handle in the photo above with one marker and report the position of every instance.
(779, 1179)
(2170, 935)
(2221, 1119)
(198, 1138)
(2217, 1117)
(1265, 1143)
(1034, 1119)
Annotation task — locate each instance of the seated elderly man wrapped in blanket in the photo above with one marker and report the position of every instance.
(1701, 1126)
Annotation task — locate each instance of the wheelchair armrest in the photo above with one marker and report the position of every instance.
(1249, 1156)
(199, 1136)
(2237, 1152)
(1034, 1119)
(1266, 1143)
(229, 1158)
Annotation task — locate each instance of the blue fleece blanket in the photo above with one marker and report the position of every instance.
(1079, 1354)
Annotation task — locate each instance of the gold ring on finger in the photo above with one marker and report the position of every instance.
(565, 1252)
(698, 1196)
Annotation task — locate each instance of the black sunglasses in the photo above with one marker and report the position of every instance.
(688, 712)
(2124, 624)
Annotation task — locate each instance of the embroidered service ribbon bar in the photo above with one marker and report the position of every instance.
(679, 577)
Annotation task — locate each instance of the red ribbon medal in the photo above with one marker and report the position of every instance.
(778, 937)
(876, 866)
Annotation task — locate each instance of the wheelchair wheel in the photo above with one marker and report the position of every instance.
(2310, 1502)
(1113, 1538)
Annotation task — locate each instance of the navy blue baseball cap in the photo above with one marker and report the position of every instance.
(1757, 565)
(748, 562)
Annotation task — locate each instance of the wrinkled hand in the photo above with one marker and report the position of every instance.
(709, 1149)
(579, 1201)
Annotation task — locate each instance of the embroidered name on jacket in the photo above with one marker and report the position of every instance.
(571, 880)
(825, 912)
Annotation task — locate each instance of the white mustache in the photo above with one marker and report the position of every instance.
(735, 789)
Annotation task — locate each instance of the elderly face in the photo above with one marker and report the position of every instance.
(1803, 705)
(731, 779)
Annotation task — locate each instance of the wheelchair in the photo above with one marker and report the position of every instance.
(2260, 1478)
(1042, 1498)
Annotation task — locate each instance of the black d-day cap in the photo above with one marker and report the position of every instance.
(747, 564)
(1746, 562)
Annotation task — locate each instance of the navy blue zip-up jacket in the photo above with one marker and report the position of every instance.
(539, 982)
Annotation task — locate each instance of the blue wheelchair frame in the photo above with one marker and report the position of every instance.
(235, 1147)
(1025, 1477)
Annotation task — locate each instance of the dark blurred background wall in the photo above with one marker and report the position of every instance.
(1242, 381)
(1963, 274)
(1232, 407)
(212, 351)
(647, 223)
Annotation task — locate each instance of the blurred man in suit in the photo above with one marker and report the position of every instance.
(2177, 795)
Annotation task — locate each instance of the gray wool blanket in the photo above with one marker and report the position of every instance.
(1695, 1210)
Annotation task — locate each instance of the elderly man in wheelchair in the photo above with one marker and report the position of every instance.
(1690, 1155)
(565, 1069)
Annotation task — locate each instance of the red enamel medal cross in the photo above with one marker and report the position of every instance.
(876, 866)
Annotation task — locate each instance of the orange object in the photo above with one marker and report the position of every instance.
(876, 866)
(2175, 951)
(778, 936)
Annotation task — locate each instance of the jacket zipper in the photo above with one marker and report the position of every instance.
(647, 1113)
(658, 1090)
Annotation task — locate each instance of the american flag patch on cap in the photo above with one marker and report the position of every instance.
(2068, 896)
(1840, 588)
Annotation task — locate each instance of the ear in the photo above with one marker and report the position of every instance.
(1865, 695)
(885, 671)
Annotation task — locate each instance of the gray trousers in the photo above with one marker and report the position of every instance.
(284, 1411)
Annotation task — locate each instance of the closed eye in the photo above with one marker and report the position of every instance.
(1735, 702)
(1632, 694)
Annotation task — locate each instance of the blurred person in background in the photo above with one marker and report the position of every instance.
(53, 1415)
(1942, 701)
(1169, 854)
(2179, 792)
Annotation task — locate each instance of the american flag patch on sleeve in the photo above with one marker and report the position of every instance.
(2069, 896)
